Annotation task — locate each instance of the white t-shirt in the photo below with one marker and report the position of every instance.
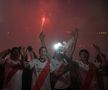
(38, 66)
(16, 81)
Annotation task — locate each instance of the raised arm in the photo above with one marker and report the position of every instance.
(72, 44)
(4, 53)
(42, 39)
(102, 56)
(32, 53)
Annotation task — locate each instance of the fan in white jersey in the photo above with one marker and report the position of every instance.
(42, 68)
(66, 82)
(13, 71)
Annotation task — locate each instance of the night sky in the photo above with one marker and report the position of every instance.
(20, 22)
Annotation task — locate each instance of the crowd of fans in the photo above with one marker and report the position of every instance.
(21, 69)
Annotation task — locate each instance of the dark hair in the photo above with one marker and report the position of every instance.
(15, 51)
(84, 50)
(41, 49)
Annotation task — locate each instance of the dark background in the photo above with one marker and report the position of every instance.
(20, 23)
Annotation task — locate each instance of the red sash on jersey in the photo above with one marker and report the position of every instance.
(60, 70)
(40, 80)
(10, 75)
(89, 77)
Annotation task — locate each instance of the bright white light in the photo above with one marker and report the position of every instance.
(57, 46)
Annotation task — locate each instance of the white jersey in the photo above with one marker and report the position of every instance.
(84, 69)
(38, 67)
(15, 82)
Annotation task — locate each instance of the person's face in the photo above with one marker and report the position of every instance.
(84, 56)
(43, 52)
(15, 55)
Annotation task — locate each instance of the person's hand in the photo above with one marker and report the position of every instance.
(23, 51)
(74, 34)
(42, 36)
(96, 47)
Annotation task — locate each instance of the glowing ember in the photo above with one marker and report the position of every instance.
(43, 19)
